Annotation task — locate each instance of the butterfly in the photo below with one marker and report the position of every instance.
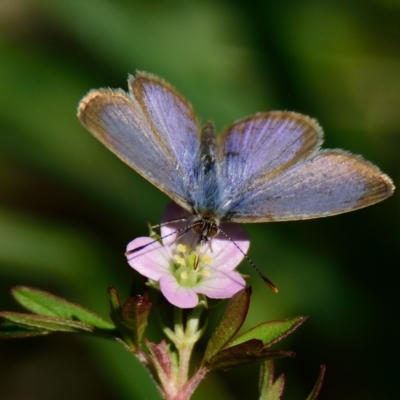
(263, 168)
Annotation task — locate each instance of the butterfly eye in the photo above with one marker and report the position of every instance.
(205, 229)
(198, 228)
(213, 230)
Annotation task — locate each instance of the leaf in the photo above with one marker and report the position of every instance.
(245, 353)
(46, 304)
(131, 318)
(276, 390)
(115, 312)
(114, 303)
(269, 332)
(317, 387)
(252, 346)
(9, 330)
(270, 389)
(231, 322)
(135, 313)
(41, 322)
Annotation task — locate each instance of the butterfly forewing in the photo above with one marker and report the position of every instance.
(265, 144)
(171, 119)
(152, 129)
(331, 182)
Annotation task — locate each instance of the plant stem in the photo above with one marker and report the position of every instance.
(184, 339)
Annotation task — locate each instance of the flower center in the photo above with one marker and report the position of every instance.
(189, 267)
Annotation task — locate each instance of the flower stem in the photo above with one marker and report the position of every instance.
(184, 339)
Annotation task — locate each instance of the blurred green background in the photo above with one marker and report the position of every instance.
(68, 207)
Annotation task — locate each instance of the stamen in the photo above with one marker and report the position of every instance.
(206, 259)
(179, 259)
(189, 265)
(182, 248)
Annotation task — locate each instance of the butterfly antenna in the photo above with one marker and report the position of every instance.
(169, 222)
(136, 249)
(250, 261)
(181, 232)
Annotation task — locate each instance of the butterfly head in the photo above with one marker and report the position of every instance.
(206, 228)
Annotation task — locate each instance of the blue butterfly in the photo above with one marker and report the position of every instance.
(266, 167)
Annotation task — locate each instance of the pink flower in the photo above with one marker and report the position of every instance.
(184, 270)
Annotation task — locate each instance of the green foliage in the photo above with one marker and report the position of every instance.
(168, 367)
(232, 320)
(50, 314)
(269, 332)
(46, 304)
(270, 388)
(225, 351)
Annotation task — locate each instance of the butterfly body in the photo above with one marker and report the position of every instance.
(266, 167)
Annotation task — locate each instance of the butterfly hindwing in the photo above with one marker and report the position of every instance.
(329, 183)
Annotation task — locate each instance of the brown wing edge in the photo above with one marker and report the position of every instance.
(381, 187)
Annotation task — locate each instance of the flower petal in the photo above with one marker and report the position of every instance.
(221, 284)
(172, 230)
(224, 252)
(152, 261)
(182, 297)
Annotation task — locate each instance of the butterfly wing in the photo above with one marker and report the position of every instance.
(152, 128)
(287, 178)
(264, 144)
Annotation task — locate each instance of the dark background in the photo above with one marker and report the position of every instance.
(68, 207)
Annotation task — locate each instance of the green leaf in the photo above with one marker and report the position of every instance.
(41, 322)
(231, 322)
(245, 353)
(46, 304)
(9, 330)
(269, 332)
(270, 389)
(317, 387)
(113, 301)
(115, 311)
